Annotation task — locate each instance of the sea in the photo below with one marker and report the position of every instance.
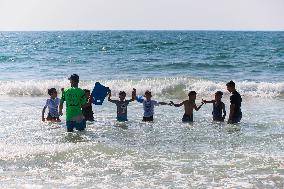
(164, 154)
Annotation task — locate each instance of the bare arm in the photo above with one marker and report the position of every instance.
(133, 95)
(232, 112)
(224, 111)
(61, 108)
(163, 103)
(42, 115)
(89, 103)
(208, 101)
(109, 97)
(197, 108)
(176, 105)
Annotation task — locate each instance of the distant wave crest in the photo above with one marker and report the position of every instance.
(161, 87)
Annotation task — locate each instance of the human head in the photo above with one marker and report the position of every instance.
(122, 95)
(218, 95)
(192, 95)
(231, 86)
(87, 93)
(148, 95)
(74, 79)
(52, 92)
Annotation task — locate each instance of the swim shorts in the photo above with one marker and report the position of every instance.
(187, 118)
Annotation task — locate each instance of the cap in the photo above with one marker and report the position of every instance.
(74, 77)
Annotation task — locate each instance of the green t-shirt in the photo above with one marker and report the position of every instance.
(75, 98)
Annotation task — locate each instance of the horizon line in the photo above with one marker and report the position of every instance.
(98, 30)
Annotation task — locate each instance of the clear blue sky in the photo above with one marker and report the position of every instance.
(141, 14)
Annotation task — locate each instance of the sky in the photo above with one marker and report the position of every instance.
(42, 15)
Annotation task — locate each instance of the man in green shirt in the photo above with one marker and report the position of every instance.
(75, 98)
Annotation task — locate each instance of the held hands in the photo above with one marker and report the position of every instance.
(171, 103)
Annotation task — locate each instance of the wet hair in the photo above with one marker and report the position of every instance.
(121, 93)
(87, 91)
(51, 91)
(192, 93)
(219, 93)
(148, 92)
(231, 84)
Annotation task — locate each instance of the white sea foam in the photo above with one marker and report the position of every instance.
(166, 87)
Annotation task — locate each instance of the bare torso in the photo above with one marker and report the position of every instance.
(188, 107)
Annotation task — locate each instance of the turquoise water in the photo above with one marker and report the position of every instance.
(163, 154)
(100, 55)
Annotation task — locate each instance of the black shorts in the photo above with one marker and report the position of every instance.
(148, 119)
(187, 118)
(52, 118)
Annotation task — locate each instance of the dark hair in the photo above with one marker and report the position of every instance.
(121, 93)
(219, 93)
(147, 92)
(51, 91)
(231, 84)
(87, 91)
(192, 93)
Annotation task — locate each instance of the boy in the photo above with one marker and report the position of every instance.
(52, 103)
(218, 107)
(149, 105)
(87, 110)
(189, 105)
(122, 104)
(75, 99)
(236, 103)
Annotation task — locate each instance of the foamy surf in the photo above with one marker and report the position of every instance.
(164, 87)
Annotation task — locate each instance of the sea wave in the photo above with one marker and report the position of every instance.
(161, 87)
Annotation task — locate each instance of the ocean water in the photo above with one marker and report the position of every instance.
(162, 154)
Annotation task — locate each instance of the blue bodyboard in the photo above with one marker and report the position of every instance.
(140, 99)
(99, 93)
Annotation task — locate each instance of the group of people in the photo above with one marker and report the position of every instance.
(79, 105)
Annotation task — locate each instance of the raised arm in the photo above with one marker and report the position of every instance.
(109, 97)
(133, 95)
(176, 105)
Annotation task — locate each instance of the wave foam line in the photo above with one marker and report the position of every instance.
(164, 87)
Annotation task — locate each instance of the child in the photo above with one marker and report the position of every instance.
(87, 109)
(122, 105)
(149, 105)
(52, 103)
(218, 107)
(189, 105)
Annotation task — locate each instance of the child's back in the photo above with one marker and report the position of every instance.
(87, 110)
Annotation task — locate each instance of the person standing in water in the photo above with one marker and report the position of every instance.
(235, 115)
(75, 99)
(218, 107)
(189, 106)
